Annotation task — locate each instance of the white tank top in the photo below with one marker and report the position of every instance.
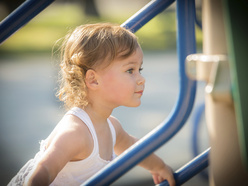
(75, 173)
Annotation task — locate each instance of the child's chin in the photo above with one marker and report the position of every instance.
(135, 105)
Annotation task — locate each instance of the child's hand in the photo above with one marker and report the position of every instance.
(163, 173)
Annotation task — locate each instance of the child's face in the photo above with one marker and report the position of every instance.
(121, 82)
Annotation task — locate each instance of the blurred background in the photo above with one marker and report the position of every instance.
(28, 80)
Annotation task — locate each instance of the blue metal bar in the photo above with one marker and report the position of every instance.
(145, 14)
(196, 122)
(189, 170)
(165, 131)
(22, 15)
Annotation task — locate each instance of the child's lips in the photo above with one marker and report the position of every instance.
(139, 92)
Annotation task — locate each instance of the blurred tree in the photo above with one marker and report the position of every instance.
(90, 8)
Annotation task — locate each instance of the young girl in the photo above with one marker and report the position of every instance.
(100, 70)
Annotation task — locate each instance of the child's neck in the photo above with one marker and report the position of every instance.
(98, 115)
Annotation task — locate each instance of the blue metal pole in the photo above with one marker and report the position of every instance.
(145, 14)
(196, 123)
(189, 170)
(22, 15)
(165, 131)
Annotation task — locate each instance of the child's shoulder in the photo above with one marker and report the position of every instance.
(72, 129)
(74, 124)
(72, 134)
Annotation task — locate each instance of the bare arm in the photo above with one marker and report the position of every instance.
(68, 144)
(39, 176)
(159, 170)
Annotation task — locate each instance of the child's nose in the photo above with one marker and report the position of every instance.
(141, 80)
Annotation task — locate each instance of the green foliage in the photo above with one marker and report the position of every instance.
(159, 33)
(41, 33)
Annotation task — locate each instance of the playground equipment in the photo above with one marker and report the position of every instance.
(219, 65)
(226, 100)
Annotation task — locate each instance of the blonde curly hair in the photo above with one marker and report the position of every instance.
(90, 46)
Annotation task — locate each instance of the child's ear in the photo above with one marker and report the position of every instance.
(91, 79)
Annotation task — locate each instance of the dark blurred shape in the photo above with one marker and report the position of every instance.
(12, 4)
(89, 6)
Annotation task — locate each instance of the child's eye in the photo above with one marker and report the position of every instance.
(140, 69)
(130, 71)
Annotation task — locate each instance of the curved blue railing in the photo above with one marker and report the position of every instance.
(145, 14)
(192, 168)
(161, 134)
(22, 15)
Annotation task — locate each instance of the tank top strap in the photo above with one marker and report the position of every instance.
(82, 115)
(112, 129)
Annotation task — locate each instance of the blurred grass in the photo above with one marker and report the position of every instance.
(41, 33)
